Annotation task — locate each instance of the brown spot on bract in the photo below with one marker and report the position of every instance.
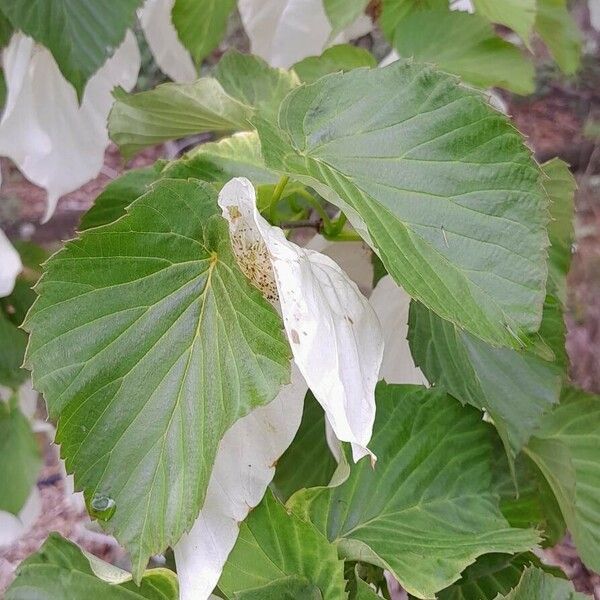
(349, 320)
(295, 337)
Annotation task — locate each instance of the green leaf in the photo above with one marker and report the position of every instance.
(566, 448)
(274, 546)
(426, 511)
(560, 186)
(80, 35)
(61, 570)
(518, 15)
(289, 588)
(465, 45)
(393, 11)
(491, 575)
(21, 460)
(250, 80)
(526, 499)
(343, 57)
(172, 111)
(308, 461)
(342, 13)
(560, 33)
(119, 194)
(515, 387)
(537, 585)
(201, 24)
(148, 343)
(12, 350)
(6, 31)
(396, 150)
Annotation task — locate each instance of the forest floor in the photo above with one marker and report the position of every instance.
(553, 120)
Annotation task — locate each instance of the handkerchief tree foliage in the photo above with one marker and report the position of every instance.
(297, 417)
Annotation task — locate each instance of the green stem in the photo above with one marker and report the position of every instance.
(277, 193)
(343, 236)
(339, 224)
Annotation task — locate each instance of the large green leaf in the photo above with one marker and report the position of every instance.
(21, 458)
(80, 35)
(438, 181)
(560, 33)
(465, 45)
(426, 511)
(567, 450)
(342, 13)
(61, 570)
(537, 585)
(560, 186)
(518, 15)
(275, 550)
(308, 461)
(515, 387)
(491, 575)
(171, 111)
(252, 81)
(201, 24)
(12, 350)
(342, 57)
(148, 344)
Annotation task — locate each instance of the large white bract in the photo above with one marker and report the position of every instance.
(57, 143)
(334, 334)
(10, 265)
(284, 32)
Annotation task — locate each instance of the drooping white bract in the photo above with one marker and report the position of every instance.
(243, 469)
(284, 32)
(391, 303)
(57, 143)
(169, 53)
(10, 265)
(334, 334)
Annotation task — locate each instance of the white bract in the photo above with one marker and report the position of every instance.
(10, 265)
(334, 334)
(57, 143)
(169, 53)
(284, 32)
(391, 303)
(243, 469)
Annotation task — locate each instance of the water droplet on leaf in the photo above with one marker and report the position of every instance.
(102, 507)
